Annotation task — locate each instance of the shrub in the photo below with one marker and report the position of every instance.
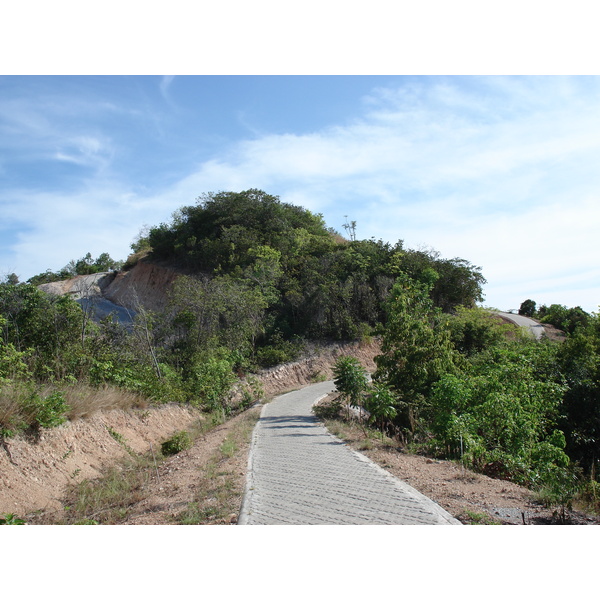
(559, 488)
(47, 411)
(176, 443)
(252, 392)
(210, 383)
(23, 407)
(350, 378)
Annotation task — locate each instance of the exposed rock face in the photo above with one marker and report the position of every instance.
(146, 284)
(82, 286)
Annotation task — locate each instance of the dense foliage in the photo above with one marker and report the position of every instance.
(467, 386)
(316, 283)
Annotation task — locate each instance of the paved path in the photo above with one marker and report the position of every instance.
(537, 329)
(299, 474)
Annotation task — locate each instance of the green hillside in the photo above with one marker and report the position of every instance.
(260, 280)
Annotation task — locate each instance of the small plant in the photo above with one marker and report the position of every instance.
(474, 518)
(328, 410)
(11, 519)
(49, 411)
(87, 522)
(120, 439)
(380, 404)
(365, 444)
(116, 435)
(558, 490)
(350, 378)
(176, 443)
(318, 377)
(228, 448)
(252, 392)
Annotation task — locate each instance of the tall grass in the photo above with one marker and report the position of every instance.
(23, 404)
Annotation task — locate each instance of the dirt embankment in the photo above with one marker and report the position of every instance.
(146, 284)
(34, 474)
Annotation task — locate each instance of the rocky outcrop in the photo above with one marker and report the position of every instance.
(82, 286)
(146, 284)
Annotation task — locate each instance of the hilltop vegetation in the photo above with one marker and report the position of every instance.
(260, 279)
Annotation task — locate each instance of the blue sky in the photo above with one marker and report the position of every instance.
(501, 171)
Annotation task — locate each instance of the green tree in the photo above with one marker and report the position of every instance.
(416, 350)
(502, 411)
(380, 403)
(527, 308)
(350, 380)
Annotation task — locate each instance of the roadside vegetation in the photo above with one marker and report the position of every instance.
(259, 279)
(467, 387)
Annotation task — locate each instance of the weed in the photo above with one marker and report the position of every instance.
(107, 500)
(11, 519)
(87, 522)
(178, 442)
(120, 439)
(365, 444)
(228, 448)
(115, 435)
(318, 377)
(75, 473)
(475, 518)
(252, 392)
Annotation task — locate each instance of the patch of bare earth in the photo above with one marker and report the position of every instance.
(203, 485)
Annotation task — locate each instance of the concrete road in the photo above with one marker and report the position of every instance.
(299, 474)
(536, 329)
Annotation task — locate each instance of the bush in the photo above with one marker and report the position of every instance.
(350, 378)
(252, 392)
(23, 407)
(176, 443)
(558, 490)
(49, 411)
(210, 383)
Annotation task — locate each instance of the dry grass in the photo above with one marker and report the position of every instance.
(84, 400)
(108, 500)
(10, 405)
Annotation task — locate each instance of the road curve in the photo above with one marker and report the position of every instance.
(299, 474)
(536, 328)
